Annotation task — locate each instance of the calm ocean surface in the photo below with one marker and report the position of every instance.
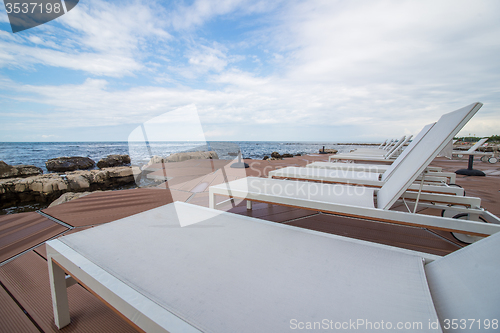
(36, 153)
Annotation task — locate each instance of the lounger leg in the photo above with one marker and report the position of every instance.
(249, 204)
(59, 294)
(211, 200)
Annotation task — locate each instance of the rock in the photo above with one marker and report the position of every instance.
(298, 155)
(100, 176)
(34, 187)
(287, 155)
(120, 172)
(78, 182)
(266, 158)
(195, 155)
(13, 171)
(113, 161)
(328, 151)
(179, 157)
(154, 160)
(68, 196)
(275, 154)
(48, 187)
(62, 164)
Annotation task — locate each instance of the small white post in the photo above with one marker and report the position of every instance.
(211, 200)
(249, 205)
(57, 280)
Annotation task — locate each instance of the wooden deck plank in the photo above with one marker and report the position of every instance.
(12, 317)
(103, 207)
(407, 237)
(27, 279)
(20, 232)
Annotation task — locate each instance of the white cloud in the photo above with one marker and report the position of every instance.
(201, 11)
(3, 16)
(101, 39)
(389, 41)
(95, 63)
(207, 58)
(202, 59)
(273, 104)
(110, 28)
(381, 69)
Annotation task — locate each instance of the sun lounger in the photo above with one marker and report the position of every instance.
(232, 273)
(349, 173)
(376, 151)
(382, 144)
(376, 159)
(373, 154)
(358, 201)
(389, 145)
(372, 203)
(485, 156)
(472, 150)
(386, 144)
(381, 152)
(364, 174)
(360, 157)
(456, 293)
(470, 171)
(379, 168)
(433, 181)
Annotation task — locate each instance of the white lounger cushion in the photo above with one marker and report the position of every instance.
(377, 168)
(292, 192)
(354, 178)
(232, 273)
(360, 157)
(465, 283)
(325, 174)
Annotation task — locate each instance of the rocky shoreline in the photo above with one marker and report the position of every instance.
(277, 156)
(22, 185)
(48, 187)
(26, 188)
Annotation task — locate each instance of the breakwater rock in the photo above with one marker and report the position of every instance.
(277, 156)
(68, 196)
(328, 151)
(14, 171)
(48, 187)
(179, 157)
(113, 161)
(63, 164)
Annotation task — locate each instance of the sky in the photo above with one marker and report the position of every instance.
(318, 70)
